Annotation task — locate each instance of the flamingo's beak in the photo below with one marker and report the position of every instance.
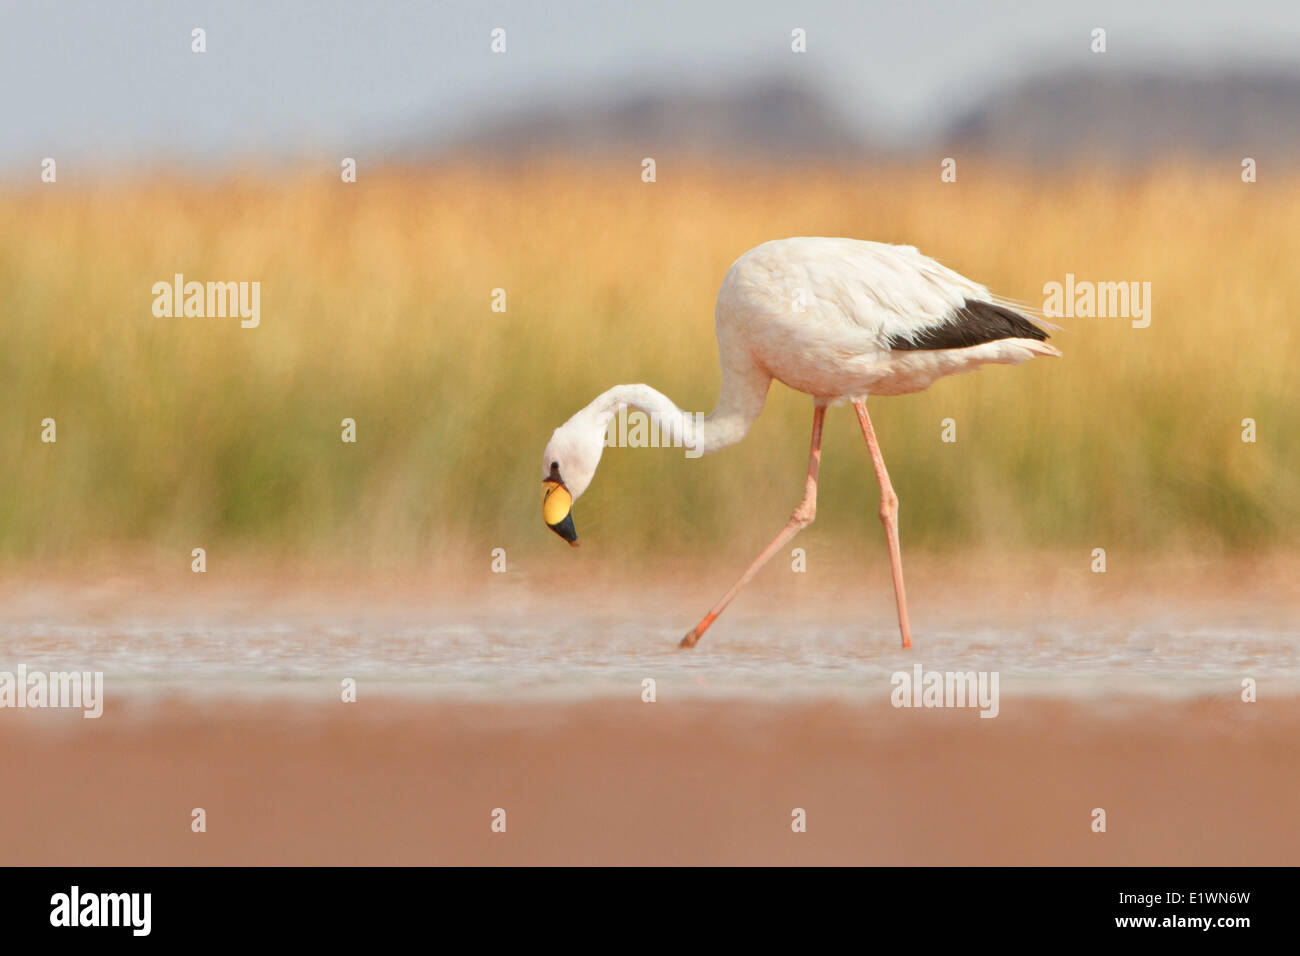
(557, 509)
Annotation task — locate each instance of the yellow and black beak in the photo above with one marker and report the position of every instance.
(557, 505)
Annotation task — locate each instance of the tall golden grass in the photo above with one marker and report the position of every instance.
(181, 433)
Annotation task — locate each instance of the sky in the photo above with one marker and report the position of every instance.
(116, 82)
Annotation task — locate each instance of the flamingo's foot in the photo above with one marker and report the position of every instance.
(691, 639)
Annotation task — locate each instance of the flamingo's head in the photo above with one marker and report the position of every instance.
(568, 465)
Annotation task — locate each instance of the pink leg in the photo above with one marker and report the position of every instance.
(802, 517)
(888, 517)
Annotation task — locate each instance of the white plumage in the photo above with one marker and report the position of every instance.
(856, 297)
(839, 319)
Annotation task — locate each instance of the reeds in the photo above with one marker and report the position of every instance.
(176, 433)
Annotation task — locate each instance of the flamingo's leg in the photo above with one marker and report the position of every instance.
(802, 517)
(888, 517)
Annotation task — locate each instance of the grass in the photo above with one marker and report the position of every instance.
(181, 433)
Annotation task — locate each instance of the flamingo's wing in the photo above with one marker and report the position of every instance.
(907, 300)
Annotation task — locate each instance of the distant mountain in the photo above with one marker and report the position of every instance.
(773, 121)
(1133, 119)
(1124, 119)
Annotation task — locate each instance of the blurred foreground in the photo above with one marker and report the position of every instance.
(622, 782)
(1121, 691)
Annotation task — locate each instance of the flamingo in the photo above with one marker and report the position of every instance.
(837, 319)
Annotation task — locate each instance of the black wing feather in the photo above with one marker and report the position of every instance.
(973, 324)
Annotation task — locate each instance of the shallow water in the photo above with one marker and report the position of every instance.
(513, 653)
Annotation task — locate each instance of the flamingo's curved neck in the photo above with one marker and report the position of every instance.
(739, 405)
